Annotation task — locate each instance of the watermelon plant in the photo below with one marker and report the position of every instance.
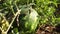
(25, 16)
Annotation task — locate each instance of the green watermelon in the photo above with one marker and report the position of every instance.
(32, 20)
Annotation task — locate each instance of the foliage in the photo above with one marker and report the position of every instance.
(24, 16)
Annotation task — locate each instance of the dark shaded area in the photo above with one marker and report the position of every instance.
(57, 12)
(2, 1)
(57, 29)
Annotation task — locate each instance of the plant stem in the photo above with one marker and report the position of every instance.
(13, 20)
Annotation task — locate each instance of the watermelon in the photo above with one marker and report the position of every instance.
(32, 20)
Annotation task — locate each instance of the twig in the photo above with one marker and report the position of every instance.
(13, 20)
(17, 20)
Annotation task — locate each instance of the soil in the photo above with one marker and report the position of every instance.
(48, 29)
